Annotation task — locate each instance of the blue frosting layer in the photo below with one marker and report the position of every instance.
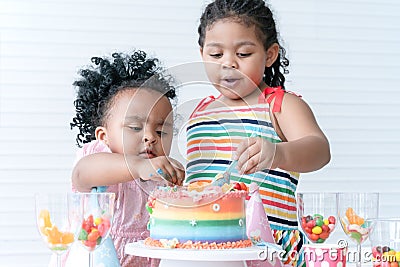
(203, 231)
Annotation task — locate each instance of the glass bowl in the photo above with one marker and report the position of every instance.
(385, 242)
(316, 214)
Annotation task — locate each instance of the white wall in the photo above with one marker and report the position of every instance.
(344, 61)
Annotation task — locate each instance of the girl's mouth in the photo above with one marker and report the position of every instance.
(229, 82)
(148, 154)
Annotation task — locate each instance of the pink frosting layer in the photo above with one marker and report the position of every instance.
(182, 195)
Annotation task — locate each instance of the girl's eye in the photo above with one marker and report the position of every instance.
(135, 128)
(244, 54)
(161, 133)
(216, 55)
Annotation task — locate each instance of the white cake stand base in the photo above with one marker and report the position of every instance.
(172, 263)
(194, 257)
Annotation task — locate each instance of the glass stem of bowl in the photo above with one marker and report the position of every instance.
(358, 262)
(58, 260)
(90, 259)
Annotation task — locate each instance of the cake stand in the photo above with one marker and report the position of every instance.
(194, 257)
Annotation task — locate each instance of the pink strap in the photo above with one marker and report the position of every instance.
(203, 104)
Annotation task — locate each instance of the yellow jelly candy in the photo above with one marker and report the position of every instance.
(316, 230)
(397, 256)
(198, 186)
(226, 187)
(97, 221)
(44, 221)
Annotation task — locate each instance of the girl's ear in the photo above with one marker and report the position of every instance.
(101, 134)
(272, 55)
(201, 51)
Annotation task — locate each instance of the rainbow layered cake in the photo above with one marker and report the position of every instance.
(200, 216)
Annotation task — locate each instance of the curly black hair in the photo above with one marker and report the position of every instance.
(107, 77)
(249, 12)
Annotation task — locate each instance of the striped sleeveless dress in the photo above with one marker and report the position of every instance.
(213, 136)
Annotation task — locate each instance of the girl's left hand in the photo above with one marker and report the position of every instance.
(255, 154)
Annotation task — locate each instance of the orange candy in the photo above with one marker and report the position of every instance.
(54, 236)
(67, 238)
(353, 217)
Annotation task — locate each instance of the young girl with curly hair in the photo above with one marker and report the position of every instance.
(125, 121)
(246, 63)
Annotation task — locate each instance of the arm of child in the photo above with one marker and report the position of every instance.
(305, 148)
(103, 169)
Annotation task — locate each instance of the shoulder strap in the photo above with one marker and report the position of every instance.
(271, 93)
(203, 104)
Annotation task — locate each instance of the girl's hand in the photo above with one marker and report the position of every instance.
(255, 154)
(162, 168)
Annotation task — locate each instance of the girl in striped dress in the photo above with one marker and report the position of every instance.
(244, 61)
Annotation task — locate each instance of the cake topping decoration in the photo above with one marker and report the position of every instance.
(169, 243)
(216, 207)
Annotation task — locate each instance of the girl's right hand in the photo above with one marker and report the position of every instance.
(162, 168)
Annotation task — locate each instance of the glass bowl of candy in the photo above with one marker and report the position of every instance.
(98, 213)
(58, 218)
(316, 214)
(385, 242)
(354, 211)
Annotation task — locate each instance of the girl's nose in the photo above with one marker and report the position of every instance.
(149, 138)
(229, 61)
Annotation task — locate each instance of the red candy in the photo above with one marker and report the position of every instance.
(93, 230)
(311, 224)
(316, 228)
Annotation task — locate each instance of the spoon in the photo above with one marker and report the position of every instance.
(225, 178)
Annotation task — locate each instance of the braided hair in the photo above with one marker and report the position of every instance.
(106, 78)
(249, 13)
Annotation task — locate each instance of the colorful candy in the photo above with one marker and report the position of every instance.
(57, 239)
(317, 228)
(353, 217)
(385, 257)
(93, 230)
(355, 226)
(150, 204)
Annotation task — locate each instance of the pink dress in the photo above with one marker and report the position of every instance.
(130, 214)
(130, 217)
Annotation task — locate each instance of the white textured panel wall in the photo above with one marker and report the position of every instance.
(344, 61)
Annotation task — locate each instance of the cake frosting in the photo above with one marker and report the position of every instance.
(198, 216)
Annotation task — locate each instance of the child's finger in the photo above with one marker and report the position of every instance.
(178, 172)
(181, 177)
(168, 174)
(252, 170)
(244, 158)
(248, 165)
(176, 164)
(243, 146)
